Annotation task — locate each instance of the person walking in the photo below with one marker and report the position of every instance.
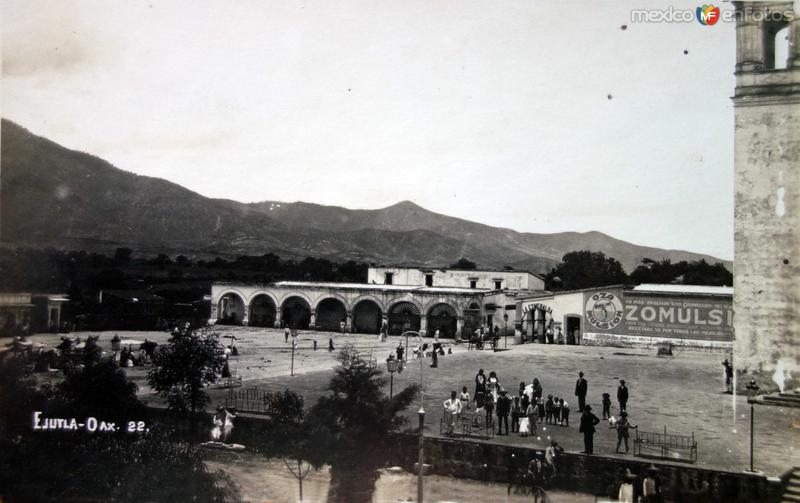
(384, 332)
(286, 334)
(532, 412)
(503, 409)
(588, 422)
(622, 395)
(400, 350)
(581, 387)
(623, 427)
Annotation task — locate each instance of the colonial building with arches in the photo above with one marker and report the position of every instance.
(364, 307)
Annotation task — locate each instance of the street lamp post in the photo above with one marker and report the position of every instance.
(505, 332)
(752, 389)
(391, 366)
(421, 413)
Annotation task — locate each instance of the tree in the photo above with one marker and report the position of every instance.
(585, 269)
(122, 256)
(687, 273)
(464, 263)
(184, 366)
(101, 390)
(113, 466)
(291, 437)
(354, 415)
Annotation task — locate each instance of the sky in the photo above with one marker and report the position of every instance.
(539, 116)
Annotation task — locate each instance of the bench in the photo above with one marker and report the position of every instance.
(666, 446)
(227, 382)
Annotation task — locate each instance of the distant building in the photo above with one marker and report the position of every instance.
(455, 302)
(619, 315)
(459, 278)
(23, 313)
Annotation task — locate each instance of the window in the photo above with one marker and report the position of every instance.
(498, 284)
(388, 277)
(429, 280)
(473, 283)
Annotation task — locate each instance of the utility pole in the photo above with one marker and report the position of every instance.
(421, 413)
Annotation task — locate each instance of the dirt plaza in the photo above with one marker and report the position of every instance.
(683, 392)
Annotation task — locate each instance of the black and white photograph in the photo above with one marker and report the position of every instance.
(396, 251)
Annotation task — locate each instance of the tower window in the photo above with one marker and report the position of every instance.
(473, 283)
(388, 278)
(498, 284)
(429, 280)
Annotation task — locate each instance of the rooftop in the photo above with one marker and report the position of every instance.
(387, 288)
(699, 289)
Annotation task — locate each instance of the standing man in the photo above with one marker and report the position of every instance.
(622, 395)
(728, 376)
(503, 408)
(341, 326)
(400, 350)
(581, 386)
(588, 422)
(384, 332)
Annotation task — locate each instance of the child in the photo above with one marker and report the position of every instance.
(606, 406)
(531, 413)
(548, 409)
(564, 413)
(515, 412)
(556, 410)
(479, 407)
(540, 407)
(464, 397)
(488, 405)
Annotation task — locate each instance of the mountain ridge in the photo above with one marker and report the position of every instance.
(54, 196)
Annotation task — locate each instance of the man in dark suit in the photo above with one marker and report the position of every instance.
(581, 387)
(588, 422)
(622, 395)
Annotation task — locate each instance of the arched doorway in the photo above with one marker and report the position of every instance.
(230, 309)
(367, 317)
(296, 313)
(442, 317)
(403, 316)
(262, 311)
(330, 313)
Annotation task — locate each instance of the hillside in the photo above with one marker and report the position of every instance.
(53, 196)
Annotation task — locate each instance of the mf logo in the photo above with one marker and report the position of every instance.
(707, 15)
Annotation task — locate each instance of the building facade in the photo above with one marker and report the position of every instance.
(767, 199)
(407, 302)
(458, 278)
(623, 316)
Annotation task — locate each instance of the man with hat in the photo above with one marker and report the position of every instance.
(581, 386)
(503, 409)
(588, 422)
(622, 395)
(623, 427)
(728, 376)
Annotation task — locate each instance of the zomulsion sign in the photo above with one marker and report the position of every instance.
(629, 313)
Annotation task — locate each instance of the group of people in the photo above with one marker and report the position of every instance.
(589, 421)
(644, 490)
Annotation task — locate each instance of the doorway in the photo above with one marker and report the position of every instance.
(573, 324)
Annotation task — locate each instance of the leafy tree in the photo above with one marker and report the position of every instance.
(291, 437)
(464, 263)
(184, 366)
(74, 466)
(585, 269)
(122, 256)
(354, 415)
(101, 390)
(91, 351)
(687, 273)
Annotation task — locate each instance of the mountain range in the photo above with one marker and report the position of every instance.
(54, 196)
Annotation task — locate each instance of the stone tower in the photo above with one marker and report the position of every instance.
(767, 199)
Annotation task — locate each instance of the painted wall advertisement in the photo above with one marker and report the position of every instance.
(704, 318)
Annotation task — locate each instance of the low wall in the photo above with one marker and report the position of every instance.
(482, 460)
(592, 474)
(621, 340)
